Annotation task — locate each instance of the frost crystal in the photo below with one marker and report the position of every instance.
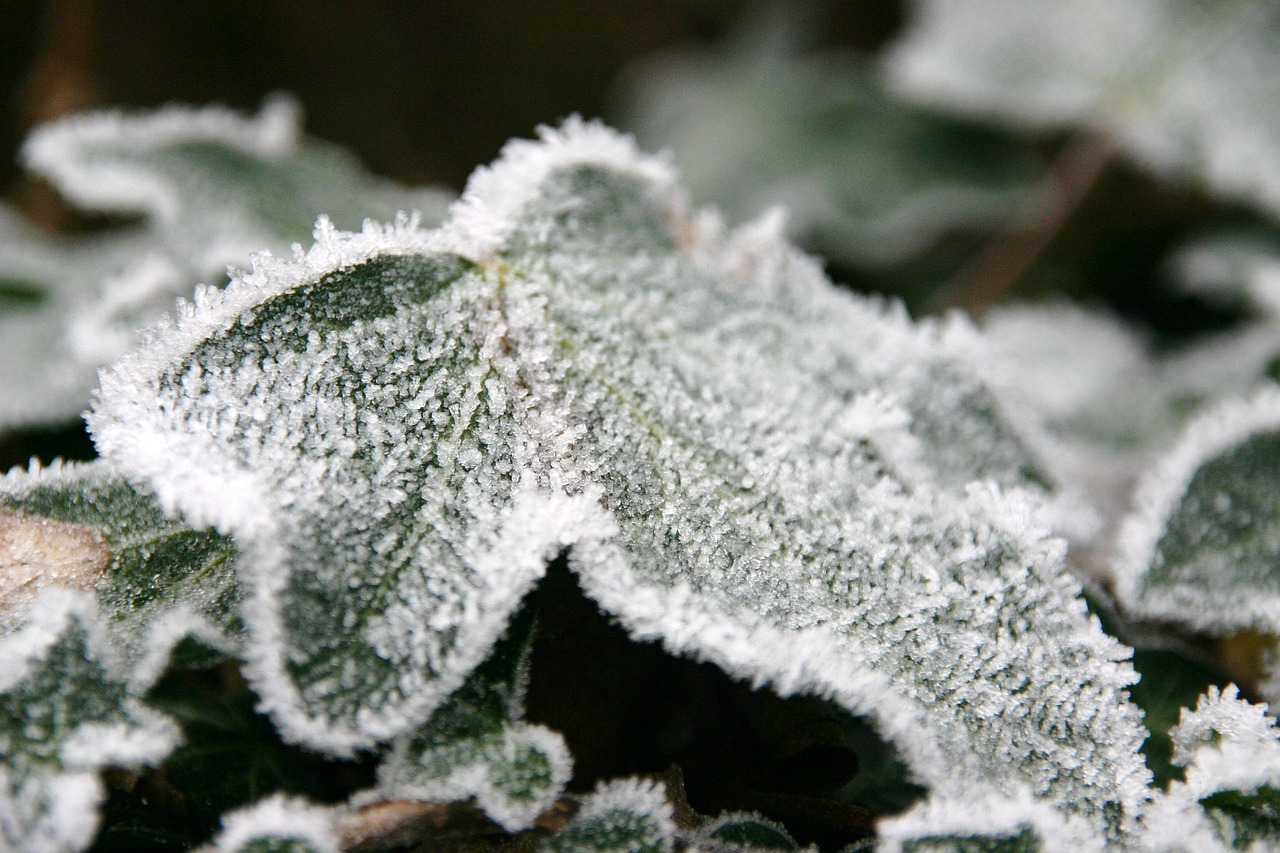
(1231, 750)
(402, 427)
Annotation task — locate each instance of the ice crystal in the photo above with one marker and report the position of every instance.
(402, 427)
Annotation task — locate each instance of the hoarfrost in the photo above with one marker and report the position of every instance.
(278, 824)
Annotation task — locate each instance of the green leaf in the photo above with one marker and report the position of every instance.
(1202, 545)
(476, 746)
(65, 713)
(1184, 86)
(403, 427)
(278, 825)
(625, 816)
(156, 580)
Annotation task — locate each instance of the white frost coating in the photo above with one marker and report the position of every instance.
(67, 151)
(104, 329)
(278, 818)
(984, 817)
(1159, 494)
(1185, 86)
(1226, 744)
(483, 218)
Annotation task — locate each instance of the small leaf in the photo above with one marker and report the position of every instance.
(157, 580)
(748, 832)
(475, 745)
(1185, 86)
(626, 816)
(1203, 542)
(64, 715)
(278, 825)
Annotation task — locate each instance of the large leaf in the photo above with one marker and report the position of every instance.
(65, 713)
(1203, 543)
(157, 580)
(1186, 86)
(865, 178)
(402, 427)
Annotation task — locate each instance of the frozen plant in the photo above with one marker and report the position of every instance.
(340, 489)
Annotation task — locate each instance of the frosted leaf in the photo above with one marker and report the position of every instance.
(1186, 86)
(1231, 797)
(64, 715)
(156, 580)
(625, 816)
(1231, 269)
(476, 746)
(1202, 543)
(742, 832)
(46, 283)
(219, 185)
(986, 822)
(402, 427)
(278, 824)
(868, 179)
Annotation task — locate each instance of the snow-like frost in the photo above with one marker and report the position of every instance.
(401, 427)
(1201, 544)
(278, 824)
(1186, 86)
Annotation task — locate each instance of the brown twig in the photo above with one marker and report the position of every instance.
(992, 275)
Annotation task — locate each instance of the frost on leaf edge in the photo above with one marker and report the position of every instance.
(1158, 496)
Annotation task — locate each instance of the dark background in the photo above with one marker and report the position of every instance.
(422, 91)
